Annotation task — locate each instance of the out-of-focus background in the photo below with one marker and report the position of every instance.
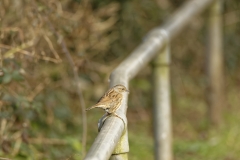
(40, 112)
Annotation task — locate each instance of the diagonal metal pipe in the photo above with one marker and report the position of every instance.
(112, 135)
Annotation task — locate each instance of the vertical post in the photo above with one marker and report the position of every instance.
(122, 148)
(216, 99)
(1, 64)
(162, 106)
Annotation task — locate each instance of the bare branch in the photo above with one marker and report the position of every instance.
(79, 91)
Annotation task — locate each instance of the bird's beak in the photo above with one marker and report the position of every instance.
(128, 91)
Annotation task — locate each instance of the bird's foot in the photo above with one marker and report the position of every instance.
(105, 116)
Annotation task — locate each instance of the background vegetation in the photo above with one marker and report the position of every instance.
(40, 113)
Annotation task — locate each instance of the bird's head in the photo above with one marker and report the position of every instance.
(120, 88)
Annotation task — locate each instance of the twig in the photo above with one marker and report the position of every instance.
(52, 48)
(1, 158)
(18, 141)
(3, 127)
(1, 65)
(47, 141)
(35, 92)
(79, 92)
(1, 59)
(72, 156)
(45, 58)
(13, 29)
(10, 53)
(77, 80)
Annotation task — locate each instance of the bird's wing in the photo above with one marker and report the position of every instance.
(106, 95)
(104, 100)
(108, 100)
(116, 103)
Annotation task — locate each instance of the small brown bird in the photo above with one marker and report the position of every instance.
(111, 100)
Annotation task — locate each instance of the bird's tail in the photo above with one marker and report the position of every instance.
(90, 108)
(95, 106)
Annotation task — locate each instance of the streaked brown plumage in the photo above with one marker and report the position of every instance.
(111, 100)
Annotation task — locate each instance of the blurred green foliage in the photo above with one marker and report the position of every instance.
(40, 114)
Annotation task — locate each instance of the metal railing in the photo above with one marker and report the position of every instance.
(112, 140)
